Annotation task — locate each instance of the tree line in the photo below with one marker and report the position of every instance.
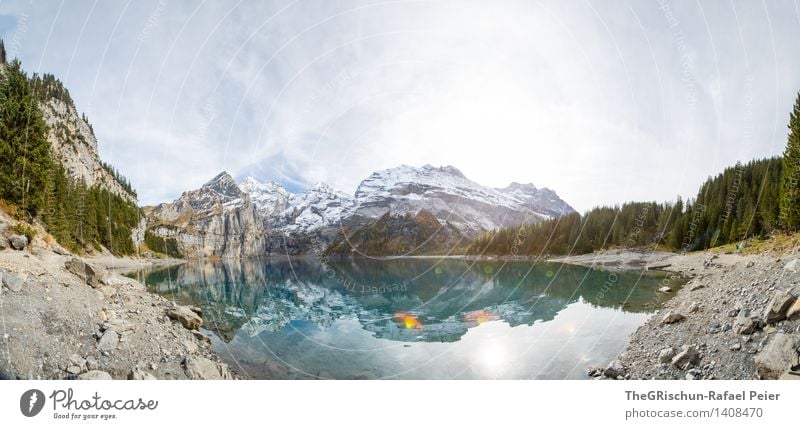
(742, 202)
(80, 218)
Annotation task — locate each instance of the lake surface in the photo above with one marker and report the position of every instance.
(412, 318)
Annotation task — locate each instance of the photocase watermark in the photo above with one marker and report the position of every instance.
(685, 59)
(31, 402)
(354, 286)
(67, 406)
(19, 33)
(152, 21)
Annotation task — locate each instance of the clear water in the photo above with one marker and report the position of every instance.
(412, 318)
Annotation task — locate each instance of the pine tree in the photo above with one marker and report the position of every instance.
(24, 150)
(790, 191)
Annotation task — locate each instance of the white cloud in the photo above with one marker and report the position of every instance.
(590, 99)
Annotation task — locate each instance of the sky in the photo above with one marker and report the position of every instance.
(604, 102)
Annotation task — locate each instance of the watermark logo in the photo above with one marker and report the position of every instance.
(31, 402)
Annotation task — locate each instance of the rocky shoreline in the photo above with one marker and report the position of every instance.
(738, 317)
(65, 317)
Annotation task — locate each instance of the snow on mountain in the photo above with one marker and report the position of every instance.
(317, 208)
(544, 201)
(251, 218)
(270, 198)
(443, 191)
(454, 199)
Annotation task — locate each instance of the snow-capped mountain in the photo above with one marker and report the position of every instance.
(454, 199)
(270, 198)
(296, 223)
(319, 207)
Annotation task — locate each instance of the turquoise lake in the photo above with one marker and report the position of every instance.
(412, 318)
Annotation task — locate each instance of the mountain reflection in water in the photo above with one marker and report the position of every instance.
(411, 318)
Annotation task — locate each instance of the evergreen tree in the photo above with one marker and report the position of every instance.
(790, 191)
(24, 149)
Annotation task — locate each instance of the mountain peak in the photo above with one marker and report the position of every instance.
(521, 186)
(250, 181)
(223, 183)
(447, 169)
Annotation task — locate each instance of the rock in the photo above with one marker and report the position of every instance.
(666, 355)
(672, 317)
(697, 287)
(736, 347)
(89, 274)
(778, 305)
(777, 357)
(107, 291)
(793, 313)
(200, 368)
(196, 310)
(191, 347)
(665, 289)
(4, 243)
(111, 278)
(74, 369)
(746, 325)
(108, 341)
(594, 371)
(688, 357)
(792, 266)
(95, 375)
(188, 318)
(694, 374)
(18, 242)
(91, 363)
(12, 282)
(140, 375)
(201, 336)
(733, 312)
(694, 307)
(77, 360)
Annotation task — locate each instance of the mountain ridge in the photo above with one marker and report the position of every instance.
(298, 223)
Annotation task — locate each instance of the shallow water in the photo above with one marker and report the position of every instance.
(412, 318)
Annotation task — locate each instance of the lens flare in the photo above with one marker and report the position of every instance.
(479, 317)
(407, 321)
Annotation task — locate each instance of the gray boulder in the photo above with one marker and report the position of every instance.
(140, 375)
(776, 358)
(200, 368)
(666, 355)
(793, 313)
(108, 341)
(746, 325)
(188, 318)
(88, 273)
(12, 282)
(95, 375)
(672, 317)
(688, 357)
(778, 305)
(18, 242)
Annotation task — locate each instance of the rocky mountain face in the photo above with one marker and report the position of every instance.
(395, 211)
(75, 146)
(216, 220)
(453, 199)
